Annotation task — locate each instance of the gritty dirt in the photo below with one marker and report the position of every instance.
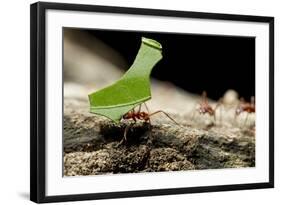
(92, 145)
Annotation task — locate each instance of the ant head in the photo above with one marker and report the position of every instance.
(127, 116)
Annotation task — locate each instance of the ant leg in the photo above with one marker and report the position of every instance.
(149, 122)
(124, 139)
(161, 111)
(134, 118)
(126, 131)
(146, 107)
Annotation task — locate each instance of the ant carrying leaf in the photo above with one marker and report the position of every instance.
(132, 89)
(143, 116)
(117, 101)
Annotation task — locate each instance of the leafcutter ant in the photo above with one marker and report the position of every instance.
(203, 107)
(143, 116)
(248, 107)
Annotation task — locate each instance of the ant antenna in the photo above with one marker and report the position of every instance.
(161, 111)
(146, 107)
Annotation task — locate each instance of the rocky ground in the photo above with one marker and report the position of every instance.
(92, 144)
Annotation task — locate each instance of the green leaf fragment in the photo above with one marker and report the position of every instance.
(132, 89)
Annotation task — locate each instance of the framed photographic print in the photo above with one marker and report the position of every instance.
(129, 102)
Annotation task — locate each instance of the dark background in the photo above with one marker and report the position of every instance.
(195, 62)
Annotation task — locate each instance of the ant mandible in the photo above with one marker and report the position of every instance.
(248, 107)
(140, 115)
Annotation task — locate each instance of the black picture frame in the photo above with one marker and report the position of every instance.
(38, 101)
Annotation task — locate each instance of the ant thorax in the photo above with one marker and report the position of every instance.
(128, 115)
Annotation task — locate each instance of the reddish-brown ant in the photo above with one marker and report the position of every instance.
(244, 106)
(248, 107)
(144, 115)
(139, 115)
(205, 108)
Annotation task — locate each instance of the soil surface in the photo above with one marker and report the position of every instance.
(92, 144)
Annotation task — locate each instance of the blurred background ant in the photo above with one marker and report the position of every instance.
(203, 107)
(245, 107)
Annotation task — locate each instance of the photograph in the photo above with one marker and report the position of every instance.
(133, 102)
(142, 101)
